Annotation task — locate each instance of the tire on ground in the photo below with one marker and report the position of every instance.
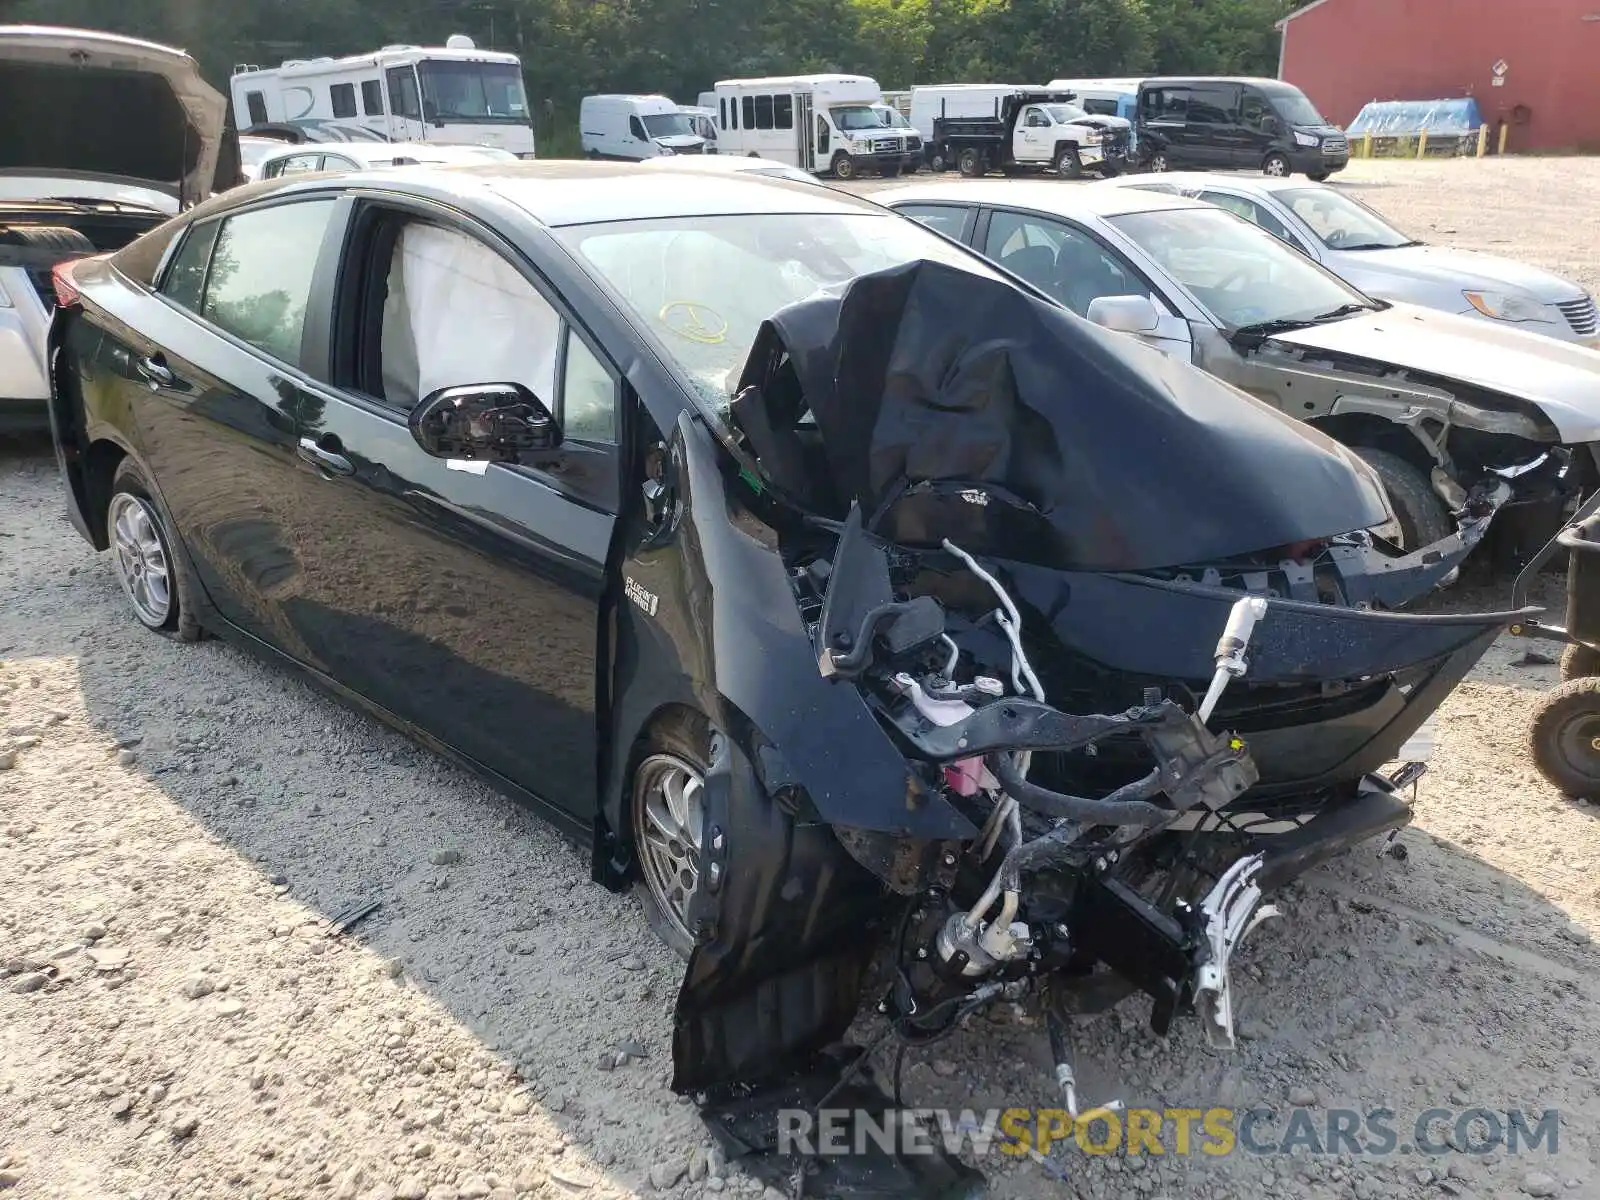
(1564, 738)
(183, 622)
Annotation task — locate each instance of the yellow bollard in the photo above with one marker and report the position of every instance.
(1366, 149)
(1422, 145)
(1505, 132)
(1483, 139)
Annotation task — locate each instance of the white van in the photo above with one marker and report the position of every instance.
(933, 101)
(1106, 98)
(635, 128)
(703, 120)
(822, 123)
(452, 94)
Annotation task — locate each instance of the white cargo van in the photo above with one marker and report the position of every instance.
(455, 94)
(822, 123)
(931, 102)
(635, 128)
(703, 119)
(1106, 98)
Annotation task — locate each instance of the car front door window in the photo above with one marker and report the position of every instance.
(948, 219)
(1061, 260)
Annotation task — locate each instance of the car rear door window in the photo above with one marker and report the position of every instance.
(259, 281)
(1255, 213)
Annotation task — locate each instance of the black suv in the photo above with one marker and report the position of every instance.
(1207, 124)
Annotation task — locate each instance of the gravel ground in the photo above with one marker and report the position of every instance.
(179, 825)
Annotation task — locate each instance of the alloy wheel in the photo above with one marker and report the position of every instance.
(668, 820)
(141, 559)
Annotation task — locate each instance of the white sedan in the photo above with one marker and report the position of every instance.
(1356, 243)
(729, 164)
(309, 158)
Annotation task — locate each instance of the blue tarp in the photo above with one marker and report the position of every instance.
(1407, 118)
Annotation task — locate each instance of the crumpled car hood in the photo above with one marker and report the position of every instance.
(1465, 269)
(924, 375)
(101, 105)
(1562, 379)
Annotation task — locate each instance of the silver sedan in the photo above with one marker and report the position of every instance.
(1359, 245)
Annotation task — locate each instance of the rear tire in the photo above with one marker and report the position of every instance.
(1579, 662)
(1276, 165)
(1068, 163)
(1423, 517)
(937, 162)
(1158, 162)
(1564, 738)
(972, 163)
(153, 575)
(844, 167)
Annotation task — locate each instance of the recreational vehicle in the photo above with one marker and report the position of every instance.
(454, 94)
(837, 124)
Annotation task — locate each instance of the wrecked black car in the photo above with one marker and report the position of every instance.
(853, 604)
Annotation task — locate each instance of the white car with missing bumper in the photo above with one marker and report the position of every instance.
(1439, 404)
(1358, 244)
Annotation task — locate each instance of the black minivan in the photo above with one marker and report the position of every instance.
(1211, 123)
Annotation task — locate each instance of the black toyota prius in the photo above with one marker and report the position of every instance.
(844, 595)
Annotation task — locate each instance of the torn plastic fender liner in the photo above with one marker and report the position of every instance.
(786, 925)
(728, 619)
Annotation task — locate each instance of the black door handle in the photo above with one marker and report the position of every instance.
(330, 461)
(155, 372)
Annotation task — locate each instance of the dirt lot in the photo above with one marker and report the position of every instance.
(179, 824)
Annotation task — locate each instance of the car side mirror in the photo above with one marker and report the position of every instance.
(1124, 314)
(488, 422)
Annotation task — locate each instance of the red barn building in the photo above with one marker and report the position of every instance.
(1531, 64)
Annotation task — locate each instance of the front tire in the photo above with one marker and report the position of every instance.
(1319, 176)
(1068, 164)
(666, 814)
(154, 578)
(1422, 516)
(1564, 738)
(1276, 165)
(844, 167)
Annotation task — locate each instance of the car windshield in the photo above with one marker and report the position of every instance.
(667, 124)
(1241, 275)
(1065, 113)
(1294, 108)
(867, 116)
(472, 92)
(704, 285)
(1343, 223)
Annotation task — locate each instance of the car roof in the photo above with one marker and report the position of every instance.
(578, 192)
(581, 193)
(1041, 195)
(1242, 181)
(384, 153)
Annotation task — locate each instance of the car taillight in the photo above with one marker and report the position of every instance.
(67, 295)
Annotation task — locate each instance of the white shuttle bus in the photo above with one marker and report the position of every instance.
(833, 124)
(454, 94)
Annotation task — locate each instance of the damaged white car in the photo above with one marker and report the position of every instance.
(105, 137)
